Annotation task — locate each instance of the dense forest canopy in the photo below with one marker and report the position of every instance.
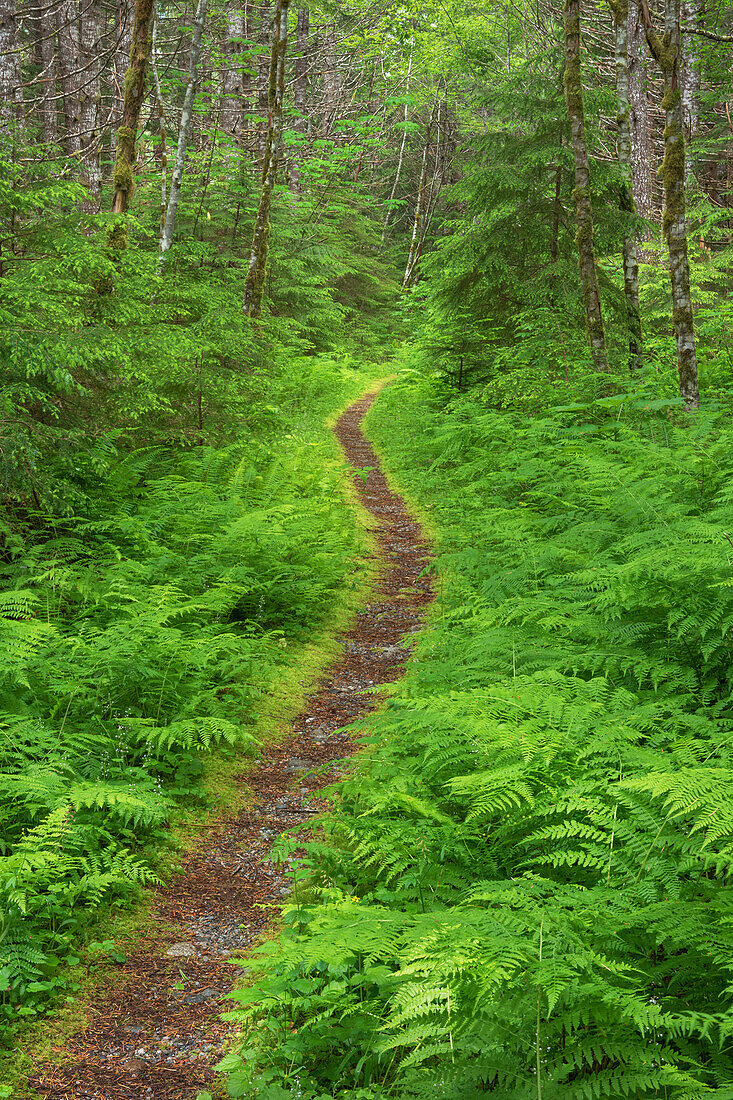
(218, 221)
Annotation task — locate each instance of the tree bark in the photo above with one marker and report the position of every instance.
(67, 17)
(161, 155)
(300, 91)
(418, 235)
(11, 87)
(581, 193)
(88, 91)
(263, 69)
(124, 19)
(689, 82)
(403, 143)
(620, 12)
(166, 237)
(332, 81)
(666, 51)
(134, 92)
(47, 51)
(231, 81)
(255, 282)
(639, 101)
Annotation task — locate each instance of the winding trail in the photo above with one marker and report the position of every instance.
(158, 1034)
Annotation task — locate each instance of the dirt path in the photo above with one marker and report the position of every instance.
(159, 1035)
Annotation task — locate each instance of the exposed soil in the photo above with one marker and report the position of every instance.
(159, 1034)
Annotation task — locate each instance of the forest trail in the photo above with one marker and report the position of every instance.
(158, 1035)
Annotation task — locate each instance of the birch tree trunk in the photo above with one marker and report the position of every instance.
(620, 11)
(403, 143)
(583, 207)
(134, 92)
(255, 282)
(666, 52)
(166, 237)
(689, 82)
(417, 225)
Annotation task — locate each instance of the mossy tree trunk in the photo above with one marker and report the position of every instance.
(620, 12)
(255, 282)
(666, 52)
(581, 192)
(134, 91)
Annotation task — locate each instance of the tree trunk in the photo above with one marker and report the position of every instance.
(666, 52)
(11, 87)
(134, 93)
(263, 68)
(231, 80)
(255, 282)
(583, 207)
(124, 19)
(689, 78)
(88, 85)
(67, 17)
(161, 155)
(417, 225)
(639, 101)
(403, 143)
(332, 81)
(166, 237)
(620, 11)
(300, 91)
(47, 57)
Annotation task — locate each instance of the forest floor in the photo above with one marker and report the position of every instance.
(157, 1035)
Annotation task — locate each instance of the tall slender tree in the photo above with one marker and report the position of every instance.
(134, 91)
(11, 89)
(666, 52)
(581, 193)
(255, 281)
(620, 12)
(184, 130)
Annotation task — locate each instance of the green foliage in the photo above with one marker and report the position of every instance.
(138, 635)
(525, 887)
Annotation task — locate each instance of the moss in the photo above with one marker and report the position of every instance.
(670, 99)
(117, 237)
(122, 176)
(619, 10)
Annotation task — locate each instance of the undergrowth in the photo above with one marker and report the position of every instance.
(138, 636)
(525, 886)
